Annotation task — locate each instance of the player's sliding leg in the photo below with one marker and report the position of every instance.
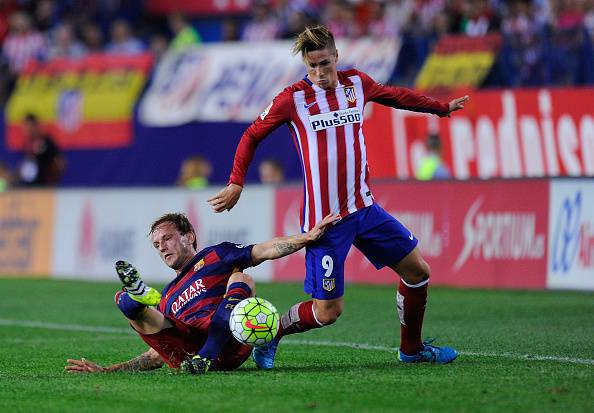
(239, 287)
(411, 300)
(145, 320)
(134, 286)
(135, 300)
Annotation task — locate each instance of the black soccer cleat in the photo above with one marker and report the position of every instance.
(134, 286)
(196, 365)
(128, 273)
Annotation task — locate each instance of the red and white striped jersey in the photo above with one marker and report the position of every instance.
(327, 129)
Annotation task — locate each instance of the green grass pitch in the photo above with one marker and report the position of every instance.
(520, 352)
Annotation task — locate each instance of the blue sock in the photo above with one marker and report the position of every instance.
(128, 306)
(218, 332)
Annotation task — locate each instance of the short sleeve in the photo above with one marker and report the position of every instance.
(236, 255)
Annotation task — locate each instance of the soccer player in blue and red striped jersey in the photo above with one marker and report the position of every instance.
(189, 327)
(324, 112)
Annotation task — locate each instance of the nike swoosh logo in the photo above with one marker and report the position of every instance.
(248, 324)
(410, 237)
(310, 105)
(233, 299)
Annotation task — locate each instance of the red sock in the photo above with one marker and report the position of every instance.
(410, 303)
(299, 319)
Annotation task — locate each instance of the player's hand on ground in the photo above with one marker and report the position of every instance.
(318, 230)
(82, 366)
(458, 104)
(226, 198)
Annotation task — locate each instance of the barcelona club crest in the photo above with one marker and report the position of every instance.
(199, 265)
(328, 284)
(349, 92)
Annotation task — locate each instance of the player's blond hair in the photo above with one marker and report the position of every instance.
(314, 38)
(181, 223)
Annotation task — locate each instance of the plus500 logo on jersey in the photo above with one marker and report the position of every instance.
(334, 119)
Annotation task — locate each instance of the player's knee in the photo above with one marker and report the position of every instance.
(417, 273)
(425, 270)
(326, 315)
(240, 277)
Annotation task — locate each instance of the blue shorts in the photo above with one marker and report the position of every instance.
(377, 234)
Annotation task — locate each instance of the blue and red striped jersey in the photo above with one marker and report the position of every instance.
(194, 295)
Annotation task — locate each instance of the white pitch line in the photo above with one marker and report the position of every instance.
(360, 346)
(63, 327)
(515, 356)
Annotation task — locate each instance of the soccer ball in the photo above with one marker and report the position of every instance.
(254, 321)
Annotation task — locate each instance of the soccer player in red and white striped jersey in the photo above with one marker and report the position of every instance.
(324, 112)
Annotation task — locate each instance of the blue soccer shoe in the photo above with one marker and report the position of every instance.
(430, 354)
(264, 355)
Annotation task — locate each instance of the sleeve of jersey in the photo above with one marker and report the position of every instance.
(401, 98)
(237, 256)
(277, 113)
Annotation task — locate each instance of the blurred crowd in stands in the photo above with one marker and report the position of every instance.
(546, 42)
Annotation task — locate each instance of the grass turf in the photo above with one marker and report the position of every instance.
(501, 335)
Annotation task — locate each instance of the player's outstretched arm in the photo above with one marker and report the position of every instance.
(282, 246)
(226, 198)
(146, 361)
(458, 104)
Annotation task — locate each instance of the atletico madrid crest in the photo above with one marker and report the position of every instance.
(349, 92)
(328, 284)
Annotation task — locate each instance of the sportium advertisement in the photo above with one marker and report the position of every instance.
(84, 104)
(472, 234)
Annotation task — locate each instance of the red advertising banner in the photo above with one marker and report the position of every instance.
(476, 234)
(497, 235)
(84, 104)
(510, 134)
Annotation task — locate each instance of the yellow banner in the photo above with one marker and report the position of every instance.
(26, 232)
(108, 96)
(455, 70)
(86, 103)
